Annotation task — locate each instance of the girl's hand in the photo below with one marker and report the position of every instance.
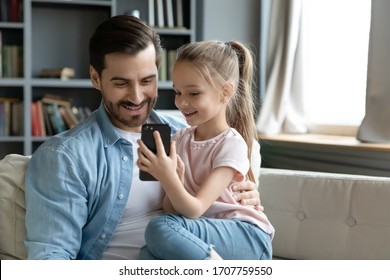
(159, 165)
(180, 169)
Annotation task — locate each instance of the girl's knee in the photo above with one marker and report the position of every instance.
(153, 228)
(159, 226)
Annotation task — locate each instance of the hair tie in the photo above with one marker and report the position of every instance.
(227, 44)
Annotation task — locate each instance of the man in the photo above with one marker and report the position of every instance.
(84, 199)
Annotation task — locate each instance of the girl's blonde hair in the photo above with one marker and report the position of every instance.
(220, 63)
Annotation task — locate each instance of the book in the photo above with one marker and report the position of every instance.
(1, 54)
(169, 13)
(41, 118)
(160, 13)
(63, 73)
(6, 60)
(70, 121)
(35, 123)
(48, 123)
(179, 13)
(56, 119)
(7, 118)
(14, 10)
(7, 115)
(162, 70)
(56, 99)
(15, 63)
(171, 61)
(4, 15)
(2, 119)
(17, 118)
(151, 13)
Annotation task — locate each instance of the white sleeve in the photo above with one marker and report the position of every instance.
(256, 160)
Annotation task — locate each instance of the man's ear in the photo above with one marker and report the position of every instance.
(95, 78)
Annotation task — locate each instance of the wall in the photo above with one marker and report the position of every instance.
(226, 20)
(229, 19)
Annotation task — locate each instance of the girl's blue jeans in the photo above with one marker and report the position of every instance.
(174, 237)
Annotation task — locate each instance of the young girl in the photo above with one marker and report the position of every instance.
(213, 85)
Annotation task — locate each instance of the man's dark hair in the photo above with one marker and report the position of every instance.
(121, 34)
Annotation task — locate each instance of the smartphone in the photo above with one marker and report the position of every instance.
(148, 139)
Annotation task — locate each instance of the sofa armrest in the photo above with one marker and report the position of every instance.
(327, 216)
(12, 207)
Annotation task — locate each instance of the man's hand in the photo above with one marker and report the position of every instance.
(248, 194)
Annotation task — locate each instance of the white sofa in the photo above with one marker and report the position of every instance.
(316, 215)
(327, 216)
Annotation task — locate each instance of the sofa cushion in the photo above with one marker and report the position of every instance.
(12, 206)
(327, 216)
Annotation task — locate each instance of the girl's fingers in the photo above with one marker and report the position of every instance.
(172, 153)
(143, 149)
(159, 144)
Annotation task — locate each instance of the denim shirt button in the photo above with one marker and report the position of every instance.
(121, 196)
(103, 236)
(125, 158)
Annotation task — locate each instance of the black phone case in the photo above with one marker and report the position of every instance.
(148, 139)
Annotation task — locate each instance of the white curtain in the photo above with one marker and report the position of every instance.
(375, 127)
(282, 109)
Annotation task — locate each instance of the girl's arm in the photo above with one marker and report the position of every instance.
(164, 168)
(167, 206)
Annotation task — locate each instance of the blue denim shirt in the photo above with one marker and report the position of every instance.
(77, 185)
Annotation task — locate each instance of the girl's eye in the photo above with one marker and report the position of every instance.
(193, 93)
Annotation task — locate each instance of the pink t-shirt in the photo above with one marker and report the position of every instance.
(201, 157)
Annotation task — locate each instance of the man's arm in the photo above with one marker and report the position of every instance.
(56, 206)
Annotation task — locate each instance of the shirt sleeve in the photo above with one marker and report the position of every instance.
(56, 206)
(233, 152)
(256, 160)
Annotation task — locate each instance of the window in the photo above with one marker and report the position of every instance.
(335, 48)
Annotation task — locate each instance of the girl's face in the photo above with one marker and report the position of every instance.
(128, 85)
(199, 102)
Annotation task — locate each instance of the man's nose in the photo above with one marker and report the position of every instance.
(135, 94)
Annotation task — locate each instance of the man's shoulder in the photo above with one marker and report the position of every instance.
(171, 117)
(76, 140)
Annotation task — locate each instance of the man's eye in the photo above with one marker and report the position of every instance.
(146, 82)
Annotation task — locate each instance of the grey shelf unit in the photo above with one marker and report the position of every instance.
(55, 33)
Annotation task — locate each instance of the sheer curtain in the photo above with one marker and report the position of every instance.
(375, 126)
(282, 106)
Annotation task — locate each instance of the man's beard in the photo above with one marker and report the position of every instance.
(131, 121)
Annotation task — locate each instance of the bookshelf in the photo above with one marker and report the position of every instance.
(55, 34)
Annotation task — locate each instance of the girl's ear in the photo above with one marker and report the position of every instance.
(228, 89)
(94, 77)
